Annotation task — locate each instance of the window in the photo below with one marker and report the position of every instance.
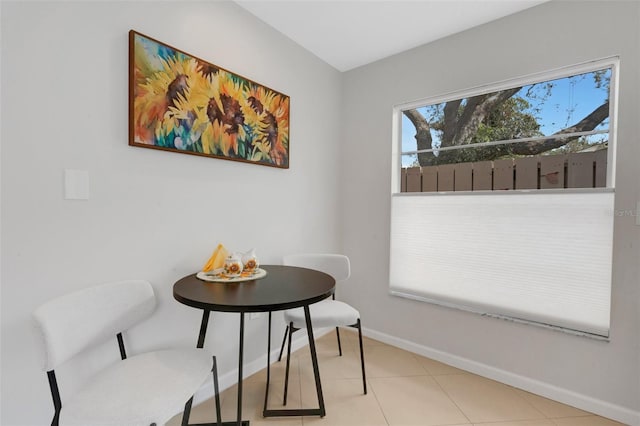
(503, 199)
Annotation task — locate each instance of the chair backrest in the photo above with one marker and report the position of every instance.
(70, 324)
(336, 265)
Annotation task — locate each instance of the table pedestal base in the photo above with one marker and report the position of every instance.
(284, 412)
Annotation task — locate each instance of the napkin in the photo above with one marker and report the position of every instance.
(216, 261)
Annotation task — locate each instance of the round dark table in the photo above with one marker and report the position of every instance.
(284, 287)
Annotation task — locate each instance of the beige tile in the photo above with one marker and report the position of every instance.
(436, 368)
(345, 403)
(387, 361)
(294, 421)
(330, 349)
(253, 393)
(551, 408)
(542, 422)
(483, 400)
(204, 412)
(333, 366)
(278, 370)
(330, 336)
(351, 338)
(325, 345)
(415, 400)
(586, 421)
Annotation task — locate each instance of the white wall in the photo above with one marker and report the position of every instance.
(151, 214)
(596, 375)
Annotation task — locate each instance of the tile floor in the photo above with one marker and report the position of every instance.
(403, 389)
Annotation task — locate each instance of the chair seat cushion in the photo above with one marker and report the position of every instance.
(327, 313)
(141, 390)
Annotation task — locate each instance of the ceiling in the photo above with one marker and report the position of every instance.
(349, 33)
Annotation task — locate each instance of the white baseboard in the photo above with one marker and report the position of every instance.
(565, 396)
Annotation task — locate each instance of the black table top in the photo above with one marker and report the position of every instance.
(284, 287)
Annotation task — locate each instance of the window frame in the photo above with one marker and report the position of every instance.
(612, 62)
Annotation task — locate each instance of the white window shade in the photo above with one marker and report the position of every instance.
(543, 257)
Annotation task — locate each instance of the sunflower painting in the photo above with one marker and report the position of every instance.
(181, 103)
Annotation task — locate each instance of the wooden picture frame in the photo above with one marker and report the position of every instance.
(180, 103)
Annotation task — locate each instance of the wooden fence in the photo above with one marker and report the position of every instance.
(577, 170)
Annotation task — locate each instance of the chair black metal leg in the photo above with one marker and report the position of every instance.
(286, 375)
(187, 412)
(123, 352)
(216, 390)
(320, 411)
(55, 395)
(339, 345)
(364, 378)
(284, 340)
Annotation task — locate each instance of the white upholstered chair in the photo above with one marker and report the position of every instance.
(326, 313)
(146, 389)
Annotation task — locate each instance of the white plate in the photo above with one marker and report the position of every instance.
(220, 278)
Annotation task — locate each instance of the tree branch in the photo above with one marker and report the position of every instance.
(423, 132)
(588, 123)
(450, 119)
(475, 111)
